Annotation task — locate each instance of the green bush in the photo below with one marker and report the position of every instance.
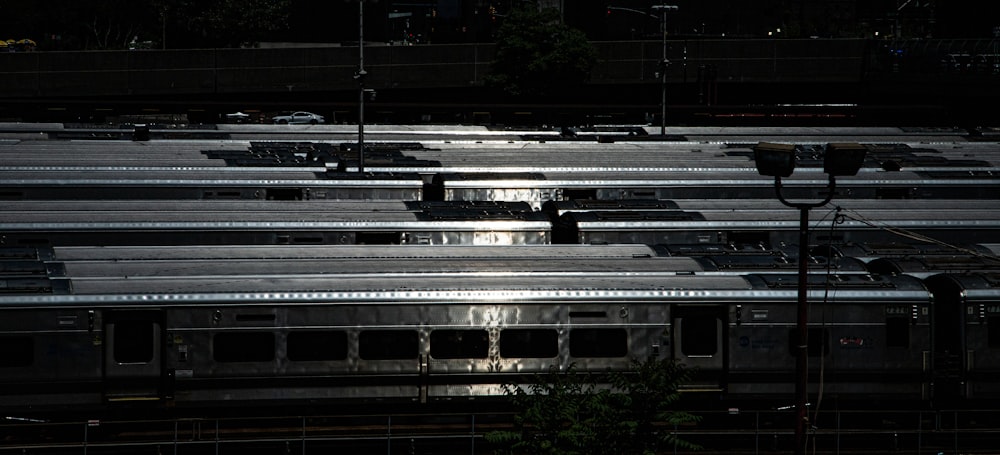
(571, 412)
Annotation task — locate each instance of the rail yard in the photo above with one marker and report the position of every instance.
(269, 289)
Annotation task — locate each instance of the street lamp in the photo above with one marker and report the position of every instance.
(360, 76)
(778, 160)
(663, 64)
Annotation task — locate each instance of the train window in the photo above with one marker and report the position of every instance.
(699, 335)
(378, 238)
(460, 344)
(993, 332)
(897, 332)
(388, 344)
(817, 339)
(16, 351)
(529, 343)
(243, 347)
(598, 343)
(283, 194)
(317, 345)
(133, 341)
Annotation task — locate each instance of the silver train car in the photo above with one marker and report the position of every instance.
(774, 227)
(539, 188)
(179, 182)
(175, 206)
(446, 170)
(926, 266)
(556, 209)
(966, 336)
(870, 251)
(271, 223)
(169, 329)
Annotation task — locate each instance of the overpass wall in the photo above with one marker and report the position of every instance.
(913, 78)
(221, 71)
(210, 71)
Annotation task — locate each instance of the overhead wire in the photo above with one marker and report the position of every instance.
(905, 233)
(838, 218)
(842, 214)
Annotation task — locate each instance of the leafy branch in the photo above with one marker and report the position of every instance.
(571, 412)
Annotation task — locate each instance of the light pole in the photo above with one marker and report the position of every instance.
(663, 64)
(778, 160)
(360, 76)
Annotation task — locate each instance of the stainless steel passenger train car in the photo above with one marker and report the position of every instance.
(69, 182)
(521, 170)
(538, 189)
(557, 209)
(189, 333)
(181, 223)
(773, 227)
(966, 335)
(711, 222)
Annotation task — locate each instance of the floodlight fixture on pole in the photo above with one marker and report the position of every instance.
(360, 76)
(663, 9)
(778, 160)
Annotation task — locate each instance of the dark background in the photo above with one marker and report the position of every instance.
(460, 21)
(113, 24)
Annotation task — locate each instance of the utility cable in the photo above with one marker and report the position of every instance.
(855, 216)
(838, 218)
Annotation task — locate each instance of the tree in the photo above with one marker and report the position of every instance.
(569, 413)
(538, 55)
(114, 24)
(223, 23)
(70, 25)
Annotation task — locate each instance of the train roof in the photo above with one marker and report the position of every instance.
(748, 177)
(868, 251)
(444, 289)
(280, 219)
(415, 268)
(980, 288)
(288, 274)
(783, 219)
(743, 205)
(250, 205)
(265, 252)
(208, 176)
(908, 147)
(924, 266)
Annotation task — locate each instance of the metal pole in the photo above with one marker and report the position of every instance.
(663, 9)
(663, 73)
(163, 28)
(802, 353)
(838, 433)
(361, 85)
(802, 320)
(756, 433)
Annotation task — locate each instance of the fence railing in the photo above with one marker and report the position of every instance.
(832, 432)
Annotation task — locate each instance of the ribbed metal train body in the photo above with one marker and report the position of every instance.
(268, 324)
(241, 271)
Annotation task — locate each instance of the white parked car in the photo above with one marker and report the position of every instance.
(299, 117)
(238, 117)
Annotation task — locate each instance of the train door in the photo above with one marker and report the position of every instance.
(133, 361)
(699, 340)
(393, 358)
(948, 338)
